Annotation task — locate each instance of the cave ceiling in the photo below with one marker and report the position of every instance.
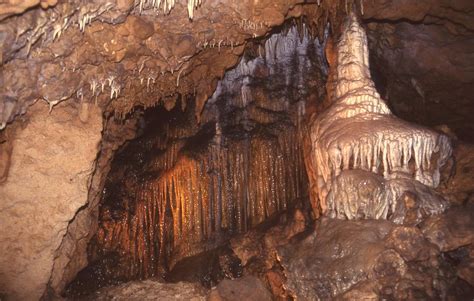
(125, 54)
(122, 55)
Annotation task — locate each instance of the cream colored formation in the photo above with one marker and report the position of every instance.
(359, 132)
(167, 5)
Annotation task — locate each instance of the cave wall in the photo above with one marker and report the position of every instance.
(154, 60)
(71, 255)
(52, 57)
(133, 56)
(422, 61)
(184, 187)
(52, 160)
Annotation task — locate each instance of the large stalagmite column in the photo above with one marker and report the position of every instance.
(52, 163)
(359, 132)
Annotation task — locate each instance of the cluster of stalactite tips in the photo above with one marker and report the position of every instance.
(199, 201)
(184, 187)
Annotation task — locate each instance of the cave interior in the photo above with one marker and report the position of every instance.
(237, 150)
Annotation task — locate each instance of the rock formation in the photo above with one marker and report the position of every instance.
(209, 181)
(57, 152)
(231, 85)
(358, 131)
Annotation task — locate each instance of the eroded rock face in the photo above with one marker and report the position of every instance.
(452, 230)
(129, 56)
(245, 288)
(71, 256)
(120, 55)
(185, 187)
(363, 259)
(52, 161)
(151, 290)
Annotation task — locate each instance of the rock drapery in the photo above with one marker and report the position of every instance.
(130, 55)
(91, 55)
(358, 131)
(241, 166)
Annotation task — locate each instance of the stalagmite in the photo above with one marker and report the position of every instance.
(359, 132)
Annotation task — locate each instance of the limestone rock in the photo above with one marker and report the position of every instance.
(51, 165)
(347, 260)
(358, 131)
(452, 230)
(151, 290)
(246, 288)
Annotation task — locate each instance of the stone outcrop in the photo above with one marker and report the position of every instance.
(358, 132)
(53, 157)
(245, 288)
(151, 290)
(421, 59)
(365, 259)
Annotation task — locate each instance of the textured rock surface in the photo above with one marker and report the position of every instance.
(119, 56)
(150, 290)
(362, 259)
(245, 288)
(71, 256)
(459, 188)
(452, 230)
(241, 165)
(157, 59)
(358, 194)
(51, 165)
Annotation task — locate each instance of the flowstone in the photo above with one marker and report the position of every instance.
(358, 194)
(359, 132)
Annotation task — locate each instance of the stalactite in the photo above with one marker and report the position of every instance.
(359, 132)
(240, 166)
(225, 191)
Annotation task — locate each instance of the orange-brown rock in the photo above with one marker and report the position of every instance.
(52, 160)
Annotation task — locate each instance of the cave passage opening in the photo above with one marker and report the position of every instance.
(179, 191)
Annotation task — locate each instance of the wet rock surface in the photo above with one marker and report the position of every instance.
(245, 288)
(452, 230)
(72, 58)
(150, 290)
(119, 55)
(183, 187)
(367, 259)
(459, 186)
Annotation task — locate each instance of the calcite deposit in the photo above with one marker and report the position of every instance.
(166, 139)
(358, 131)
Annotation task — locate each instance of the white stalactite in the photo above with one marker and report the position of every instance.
(167, 5)
(359, 132)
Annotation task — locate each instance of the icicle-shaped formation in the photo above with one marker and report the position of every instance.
(359, 132)
(286, 54)
(167, 5)
(241, 165)
(199, 202)
(358, 194)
